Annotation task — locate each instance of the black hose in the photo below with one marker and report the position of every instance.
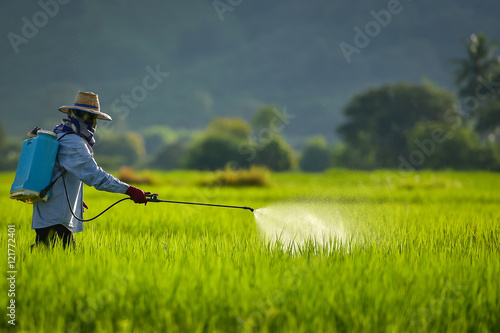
(151, 198)
(88, 220)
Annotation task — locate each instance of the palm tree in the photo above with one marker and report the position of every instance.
(479, 67)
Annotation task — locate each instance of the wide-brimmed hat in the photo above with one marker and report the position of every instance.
(87, 102)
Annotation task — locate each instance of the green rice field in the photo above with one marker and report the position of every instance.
(341, 251)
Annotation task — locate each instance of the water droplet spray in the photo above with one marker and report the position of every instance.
(294, 224)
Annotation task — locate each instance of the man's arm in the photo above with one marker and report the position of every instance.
(75, 156)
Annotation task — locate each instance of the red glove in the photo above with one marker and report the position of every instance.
(137, 195)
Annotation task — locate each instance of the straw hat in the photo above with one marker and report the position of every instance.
(87, 102)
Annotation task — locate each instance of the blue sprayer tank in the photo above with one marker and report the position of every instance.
(35, 167)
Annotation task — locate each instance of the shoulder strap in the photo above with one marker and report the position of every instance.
(62, 136)
(43, 192)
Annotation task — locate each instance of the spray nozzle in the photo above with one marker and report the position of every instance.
(152, 196)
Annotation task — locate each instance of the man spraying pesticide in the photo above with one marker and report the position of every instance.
(65, 156)
(53, 167)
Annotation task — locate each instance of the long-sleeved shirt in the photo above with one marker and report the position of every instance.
(76, 157)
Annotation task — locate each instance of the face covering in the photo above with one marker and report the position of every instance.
(81, 123)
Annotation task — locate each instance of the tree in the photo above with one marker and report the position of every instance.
(157, 137)
(170, 157)
(276, 154)
(114, 151)
(10, 151)
(488, 120)
(316, 156)
(212, 152)
(479, 66)
(219, 145)
(231, 126)
(477, 78)
(265, 116)
(437, 145)
(378, 118)
(3, 136)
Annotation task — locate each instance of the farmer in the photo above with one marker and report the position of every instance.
(52, 219)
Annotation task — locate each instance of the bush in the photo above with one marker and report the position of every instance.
(227, 140)
(436, 145)
(255, 176)
(315, 157)
(10, 152)
(344, 157)
(213, 152)
(128, 175)
(276, 154)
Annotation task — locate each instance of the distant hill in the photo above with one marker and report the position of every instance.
(226, 61)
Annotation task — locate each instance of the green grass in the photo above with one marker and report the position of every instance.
(423, 255)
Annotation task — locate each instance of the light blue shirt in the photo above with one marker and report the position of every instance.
(76, 157)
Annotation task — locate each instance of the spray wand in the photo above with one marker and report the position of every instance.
(151, 197)
(154, 198)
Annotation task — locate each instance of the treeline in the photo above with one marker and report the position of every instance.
(225, 142)
(397, 125)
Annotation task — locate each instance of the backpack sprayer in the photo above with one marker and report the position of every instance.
(35, 167)
(32, 182)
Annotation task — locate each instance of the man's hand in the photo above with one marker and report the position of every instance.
(137, 195)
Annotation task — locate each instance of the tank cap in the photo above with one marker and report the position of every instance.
(48, 133)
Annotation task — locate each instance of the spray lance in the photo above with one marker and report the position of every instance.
(152, 197)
